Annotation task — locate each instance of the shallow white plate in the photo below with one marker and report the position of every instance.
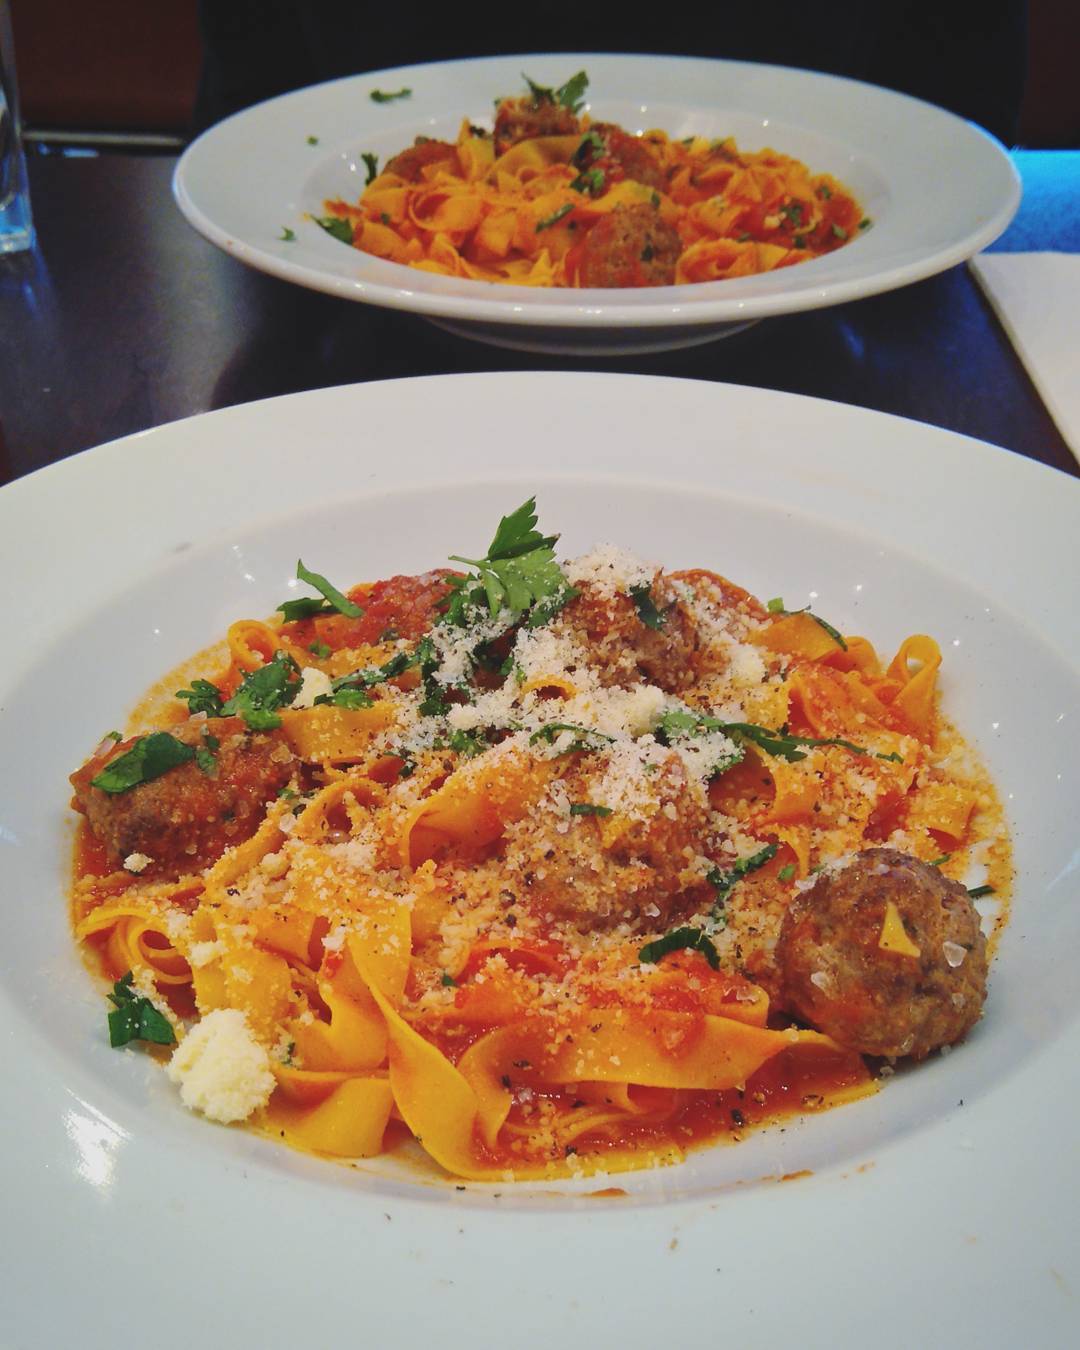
(943, 1208)
(936, 187)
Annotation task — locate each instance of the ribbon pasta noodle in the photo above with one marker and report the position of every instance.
(553, 199)
(513, 864)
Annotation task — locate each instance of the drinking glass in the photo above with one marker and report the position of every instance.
(16, 226)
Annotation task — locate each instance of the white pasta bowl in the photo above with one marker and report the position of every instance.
(937, 189)
(955, 1183)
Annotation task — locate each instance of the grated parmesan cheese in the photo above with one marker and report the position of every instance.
(221, 1069)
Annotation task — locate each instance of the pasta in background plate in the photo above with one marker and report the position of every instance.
(554, 868)
(550, 198)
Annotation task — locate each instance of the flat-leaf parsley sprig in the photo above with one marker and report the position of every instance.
(518, 573)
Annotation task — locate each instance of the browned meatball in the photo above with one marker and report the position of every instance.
(837, 975)
(523, 119)
(186, 819)
(411, 162)
(622, 156)
(623, 648)
(630, 246)
(602, 871)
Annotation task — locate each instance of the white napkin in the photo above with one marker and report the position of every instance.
(1037, 298)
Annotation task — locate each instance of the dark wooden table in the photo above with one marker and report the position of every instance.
(123, 318)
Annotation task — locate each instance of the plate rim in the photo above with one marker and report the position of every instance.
(419, 293)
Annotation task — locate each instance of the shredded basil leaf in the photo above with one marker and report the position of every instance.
(377, 95)
(680, 939)
(589, 809)
(149, 758)
(645, 605)
(977, 892)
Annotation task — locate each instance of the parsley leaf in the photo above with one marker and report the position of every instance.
(263, 691)
(568, 95)
(977, 892)
(680, 939)
(287, 236)
(645, 605)
(378, 96)
(149, 758)
(372, 163)
(589, 809)
(518, 573)
(590, 181)
(336, 226)
(135, 1018)
(202, 697)
(786, 872)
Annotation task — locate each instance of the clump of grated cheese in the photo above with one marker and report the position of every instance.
(610, 570)
(221, 1069)
(314, 683)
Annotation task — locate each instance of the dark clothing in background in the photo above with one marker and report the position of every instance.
(965, 56)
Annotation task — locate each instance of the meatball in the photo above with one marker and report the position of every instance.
(598, 872)
(630, 246)
(922, 989)
(622, 156)
(623, 648)
(411, 162)
(523, 119)
(186, 819)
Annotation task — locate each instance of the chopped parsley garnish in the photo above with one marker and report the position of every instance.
(977, 892)
(582, 736)
(287, 236)
(347, 698)
(590, 181)
(262, 692)
(839, 231)
(135, 1018)
(372, 163)
(149, 758)
(590, 147)
(518, 573)
(332, 600)
(680, 939)
(645, 605)
(337, 227)
(204, 758)
(786, 872)
(202, 697)
(555, 217)
(723, 883)
(824, 192)
(378, 96)
(569, 95)
(313, 140)
(319, 650)
(865, 223)
(467, 743)
(937, 862)
(448, 981)
(776, 606)
(794, 213)
(589, 809)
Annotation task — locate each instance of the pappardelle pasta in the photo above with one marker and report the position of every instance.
(551, 198)
(552, 868)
